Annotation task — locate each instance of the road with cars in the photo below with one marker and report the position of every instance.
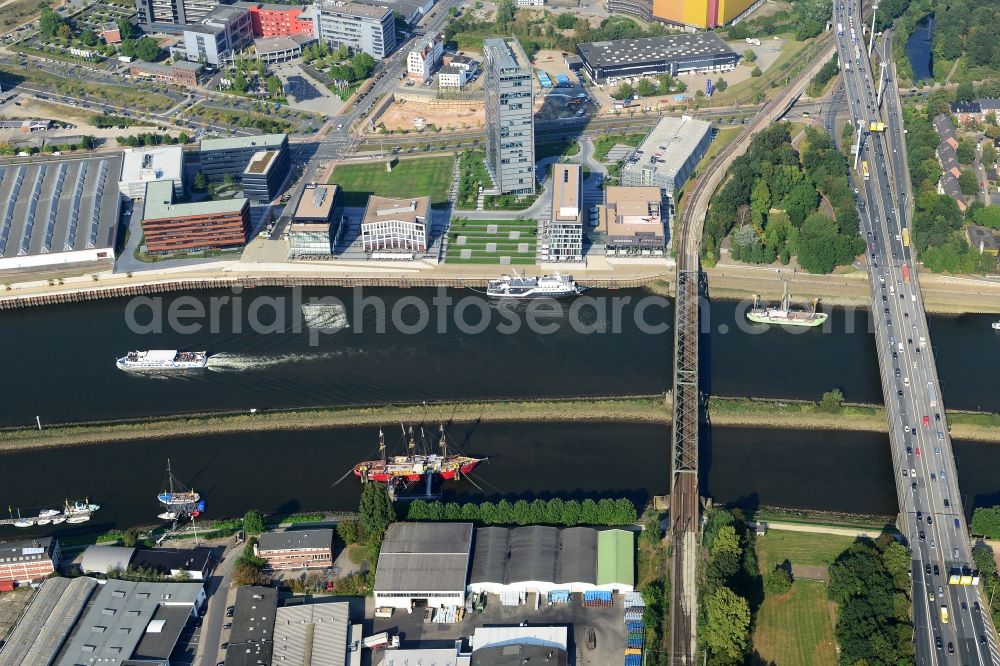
(948, 625)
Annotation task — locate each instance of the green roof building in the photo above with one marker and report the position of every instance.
(616, 559)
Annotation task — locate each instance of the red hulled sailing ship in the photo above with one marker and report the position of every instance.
(415, 466)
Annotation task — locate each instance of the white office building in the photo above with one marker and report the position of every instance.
(368, 28)
(420, 62)
(147, 165)
(392, 228)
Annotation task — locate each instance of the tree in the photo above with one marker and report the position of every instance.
(967, 182)
(778, 581)
(832, 401)
(362, 64)
(727, 627)
(274, 87)
(749, 56)
(349, 531)
(89, 38)
(200, 182)
(623, 91)
(821, 248)
(376, 511)
(49, 22)
(964, 92)
(720, 84)
(505, 13)
(724, 557)
(183, 138)
(253, 520)
(966, 151)
(239, 82)
(897, 560)
(756, 73)
(247, 574)
(989, 153)
(130, 537)
(645, 88)
(565, 21)
(986, 522)
(124, 27)
(146, 49)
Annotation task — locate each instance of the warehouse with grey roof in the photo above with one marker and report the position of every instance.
(668, 154)
(423, 564)
(612, 61)
(56, 213)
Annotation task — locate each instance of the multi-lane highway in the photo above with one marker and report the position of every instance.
(948, 625)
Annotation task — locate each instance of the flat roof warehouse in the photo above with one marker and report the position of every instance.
(646, 55)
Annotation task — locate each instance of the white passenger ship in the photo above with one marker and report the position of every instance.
(163, 359)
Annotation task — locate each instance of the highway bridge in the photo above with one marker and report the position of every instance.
(948, 625)
(684, 494)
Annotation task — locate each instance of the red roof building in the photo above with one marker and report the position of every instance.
(278, 20)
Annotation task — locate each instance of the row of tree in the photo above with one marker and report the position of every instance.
(870, 583)
(969, 27)
(152, 139)
(986, 522)
(731, 589)
(805, 18)
(554, 511)
(982, 557)
(663, 85)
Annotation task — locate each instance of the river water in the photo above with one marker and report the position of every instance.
(919, 49)
(298, 471)
(272, 348)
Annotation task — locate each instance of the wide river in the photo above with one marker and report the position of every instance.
(275, 348)
(299, 471)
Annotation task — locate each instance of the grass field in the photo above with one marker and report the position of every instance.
(20, 11)
(121, 96)
(799, 548)
(475, 237)
(427, 176)
(796, 629)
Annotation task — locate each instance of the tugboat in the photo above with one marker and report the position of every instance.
(784, 315)
(156, 360)
(415, 466)
(178, 500)
(550, 286)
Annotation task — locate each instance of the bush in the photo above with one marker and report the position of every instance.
(349, 531)
(986, 522)
(832, 401)
(778, 581)
(253, 522)
(548, 512)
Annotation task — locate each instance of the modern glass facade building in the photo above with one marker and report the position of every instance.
(510, 124)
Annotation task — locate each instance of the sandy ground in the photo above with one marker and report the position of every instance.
(31, 108)
(823, 529)
(400, 115)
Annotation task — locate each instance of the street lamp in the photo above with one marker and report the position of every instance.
(871, 41)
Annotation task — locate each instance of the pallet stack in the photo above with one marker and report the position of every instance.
(635, 630)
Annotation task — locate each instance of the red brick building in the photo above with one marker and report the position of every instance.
(28, 560)
(205, 225)
(111, 33)
(296, 549)
(278, 20)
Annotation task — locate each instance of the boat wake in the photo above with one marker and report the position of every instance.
(226, 362)
(327, 316)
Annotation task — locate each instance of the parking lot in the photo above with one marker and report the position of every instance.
(607, 623)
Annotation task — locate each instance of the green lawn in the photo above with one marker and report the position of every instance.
(556, 149)
(799, 548)
(796, 628)
(477, 236)
(426, 176)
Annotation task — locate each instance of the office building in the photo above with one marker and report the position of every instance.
(368, 28)
(668, 154)
(510, 123)
(609, 62)
(180, 73)
(30, 559)
(220, 157)
(311, 227)
(59, 213)
(281, 49)
(132, 623)
(219, 36)
(191, 227)
(251, 637)
(271, 20)
(631, 221)
(147, 165)
(460, 61)
(421, 62)
(563, 232)
(452, 78)
(701, 14)
(423, 563)
(265, 175)
(396, 228)
(172, 13)
(296, 549)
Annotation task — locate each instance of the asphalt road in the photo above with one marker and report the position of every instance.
(948, 629)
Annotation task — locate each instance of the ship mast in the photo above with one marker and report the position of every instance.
(815, 303)
(381, 445)
(784, 297)
(411, 445)
(444, 443)
(170, 478)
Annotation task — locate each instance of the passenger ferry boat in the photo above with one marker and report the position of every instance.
(551, 286)
(163, 359)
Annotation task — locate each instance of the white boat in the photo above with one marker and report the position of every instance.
(59, 520)
(167, 515)
(43, 521)
(48, 513)
(550, 286)
(177, 499)
(78, 508)
(23, 522)
(996, 326)
(78, 518)
(153, 360)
